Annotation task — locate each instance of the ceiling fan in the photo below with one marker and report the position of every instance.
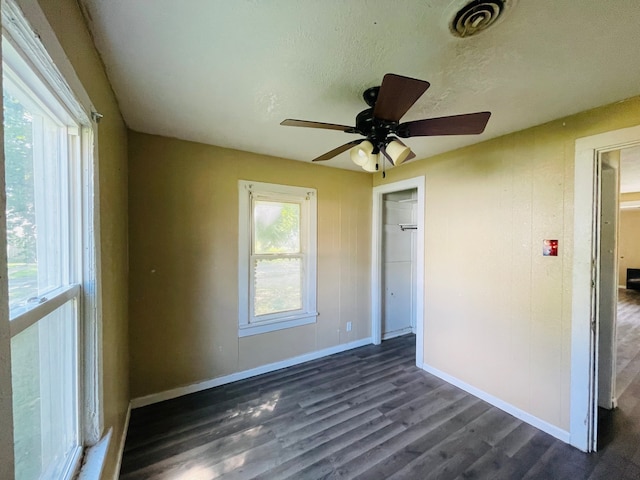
(380, 124)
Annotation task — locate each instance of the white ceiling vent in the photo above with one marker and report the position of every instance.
(477, 16)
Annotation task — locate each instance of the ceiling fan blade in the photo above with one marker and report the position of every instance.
(396, 96)
(466, 124)
(290, 122)
(337, 151)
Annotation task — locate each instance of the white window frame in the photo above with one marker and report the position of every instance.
(25, 26)
(248, 324)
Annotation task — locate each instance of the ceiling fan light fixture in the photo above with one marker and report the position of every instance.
(397, 151)
(372, 163)
(360, 154)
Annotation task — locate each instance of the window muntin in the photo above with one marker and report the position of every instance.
(43, 227)
(277, 257)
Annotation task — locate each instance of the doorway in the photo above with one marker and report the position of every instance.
(416, 187)
(398, 312)
(592, 352)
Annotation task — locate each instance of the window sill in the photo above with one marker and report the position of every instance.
(288, 322)
(94, 459)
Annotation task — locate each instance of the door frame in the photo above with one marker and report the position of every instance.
(584, 320)
(377, 228)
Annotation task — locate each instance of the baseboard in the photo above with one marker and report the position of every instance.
(234, 377)
(397, 333)
(123, 439)
(502, 405)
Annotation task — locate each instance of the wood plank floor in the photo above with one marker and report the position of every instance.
(366, 414)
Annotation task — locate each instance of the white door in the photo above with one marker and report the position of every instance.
(399, 264)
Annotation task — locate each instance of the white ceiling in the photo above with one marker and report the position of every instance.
(228, 72)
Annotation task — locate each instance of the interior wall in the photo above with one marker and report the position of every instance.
(628, 243)
(497, 312)
(183, 214)
(68, 24)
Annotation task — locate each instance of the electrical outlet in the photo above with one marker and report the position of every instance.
(348, 326)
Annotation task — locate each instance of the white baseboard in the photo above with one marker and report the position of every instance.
(397, 333)
(123, 439)
(501, 404)
(234, 377)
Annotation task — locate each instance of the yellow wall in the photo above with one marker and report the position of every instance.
(68, 24)
(498, 313)
(629, 197)
(628, 243)
(183, 226)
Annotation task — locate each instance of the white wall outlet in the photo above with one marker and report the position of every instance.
(348, 326)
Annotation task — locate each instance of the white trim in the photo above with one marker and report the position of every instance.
(376, 259)
(93, 421)
(501, 404)
(583, 396)
(234, 377)
(279, 324)
(397, 333)
(123, 439)
(30, 29)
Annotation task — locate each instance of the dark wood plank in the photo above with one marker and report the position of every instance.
(369, 414)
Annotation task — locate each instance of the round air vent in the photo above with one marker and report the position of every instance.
(476, 16)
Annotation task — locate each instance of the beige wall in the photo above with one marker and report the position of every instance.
(68, 24)
(498, 313)
(183, 225)
(628, 243)
(629, 197)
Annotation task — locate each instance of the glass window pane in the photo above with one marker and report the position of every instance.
(35, 228)
(276, 227)
(278, 285)
(45, 404)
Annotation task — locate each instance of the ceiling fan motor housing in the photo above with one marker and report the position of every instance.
(375, 129)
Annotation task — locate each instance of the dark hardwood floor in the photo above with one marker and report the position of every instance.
(367, 413)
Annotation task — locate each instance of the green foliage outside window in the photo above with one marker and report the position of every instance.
(277, 227)
(18, 148)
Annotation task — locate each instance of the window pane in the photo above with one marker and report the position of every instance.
(276, 227)
(45, 406)
(278, 285)
(35, 227)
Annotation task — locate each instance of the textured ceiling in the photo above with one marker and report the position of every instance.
(227, 72)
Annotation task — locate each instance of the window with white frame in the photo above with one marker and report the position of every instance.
(277, 257)
(47, 182)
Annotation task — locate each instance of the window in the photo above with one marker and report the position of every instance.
(277, 257)
(47, 173)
